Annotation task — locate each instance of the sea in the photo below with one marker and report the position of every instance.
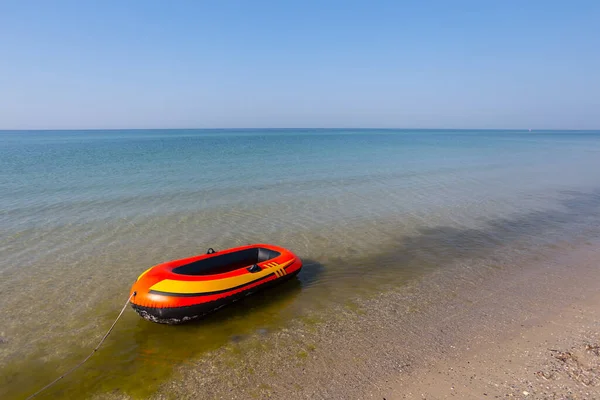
(83, 213)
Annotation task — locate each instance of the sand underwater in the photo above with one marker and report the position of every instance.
(413, 242)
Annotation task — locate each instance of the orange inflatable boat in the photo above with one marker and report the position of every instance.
(182, 290)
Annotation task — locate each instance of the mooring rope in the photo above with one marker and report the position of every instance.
(89, 355)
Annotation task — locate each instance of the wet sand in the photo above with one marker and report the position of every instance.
(555, 355)
(476, 329)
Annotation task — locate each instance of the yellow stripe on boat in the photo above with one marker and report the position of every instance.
(174, 286)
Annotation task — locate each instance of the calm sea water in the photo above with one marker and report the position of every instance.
(82, 213)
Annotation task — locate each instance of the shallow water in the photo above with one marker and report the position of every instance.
(82, 213)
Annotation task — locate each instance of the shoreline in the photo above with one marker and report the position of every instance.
(554, 356)
(378, 348)
(549, 349)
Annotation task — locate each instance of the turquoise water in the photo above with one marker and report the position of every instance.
(56, 178)
(82, 213)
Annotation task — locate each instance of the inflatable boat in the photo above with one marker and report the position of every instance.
(182, 290)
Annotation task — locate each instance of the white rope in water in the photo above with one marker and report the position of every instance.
(89, 356)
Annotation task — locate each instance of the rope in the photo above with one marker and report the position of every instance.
(89, 355)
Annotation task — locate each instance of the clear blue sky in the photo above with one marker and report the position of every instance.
(428, 64)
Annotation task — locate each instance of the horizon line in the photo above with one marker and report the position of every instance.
(296, 128)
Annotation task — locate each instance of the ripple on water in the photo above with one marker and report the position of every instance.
(72, 243)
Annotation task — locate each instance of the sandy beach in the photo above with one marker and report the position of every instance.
(549, 350)
(555, 355)
(504, 331)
